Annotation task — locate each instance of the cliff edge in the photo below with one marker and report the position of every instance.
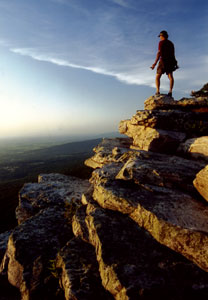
(138, 229)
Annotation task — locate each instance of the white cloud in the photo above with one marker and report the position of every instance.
(139, 75)
(187, 78)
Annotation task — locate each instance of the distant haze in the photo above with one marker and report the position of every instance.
(52, 140)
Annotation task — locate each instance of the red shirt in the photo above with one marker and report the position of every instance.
(167, 51)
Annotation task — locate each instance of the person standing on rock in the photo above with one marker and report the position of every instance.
(167, 62)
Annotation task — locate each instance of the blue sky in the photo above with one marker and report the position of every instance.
(80, 66)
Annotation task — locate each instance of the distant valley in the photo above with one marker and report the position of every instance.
(22, 163)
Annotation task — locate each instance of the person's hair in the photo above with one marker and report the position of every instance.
(164, 33)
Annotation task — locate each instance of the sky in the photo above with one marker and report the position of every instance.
(72, 67)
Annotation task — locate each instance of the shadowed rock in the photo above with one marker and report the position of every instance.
(30, 248)
(78, 271)
(79, 226)
(133, 265)
(4, 237)
(174, 218)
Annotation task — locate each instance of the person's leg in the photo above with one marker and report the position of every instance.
(170, 76)
(157, 82)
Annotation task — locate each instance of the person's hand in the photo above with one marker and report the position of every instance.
(153, 66)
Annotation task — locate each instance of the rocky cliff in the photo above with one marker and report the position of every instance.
(138, 229)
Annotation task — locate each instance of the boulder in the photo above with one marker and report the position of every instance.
(150, 168)
(77, 268)
(159, 102)
(174, 218)
(31, 247)
(107, 151)
(201, 183)
(196, 148)
(133, 265)
(51, 190)
(152, 139)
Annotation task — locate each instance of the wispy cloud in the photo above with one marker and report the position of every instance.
(118, 43)
(138, 75)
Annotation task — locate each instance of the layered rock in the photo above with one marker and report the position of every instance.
(174, 218)
(166, 123)
(133, 265)
(164, 102)
(137, 230)
(156, 190)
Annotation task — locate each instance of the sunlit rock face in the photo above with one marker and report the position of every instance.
(201, 182)
(137, 229)
(196, 148)
(51, 190)
(166, 123)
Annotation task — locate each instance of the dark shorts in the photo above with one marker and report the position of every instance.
(161, 69)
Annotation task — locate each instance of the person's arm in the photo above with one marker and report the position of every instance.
(156, 60)
(158, 55)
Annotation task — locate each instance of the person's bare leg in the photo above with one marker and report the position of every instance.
(170, 76)
(157, 82)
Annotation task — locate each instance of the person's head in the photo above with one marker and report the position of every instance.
(163, 35)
